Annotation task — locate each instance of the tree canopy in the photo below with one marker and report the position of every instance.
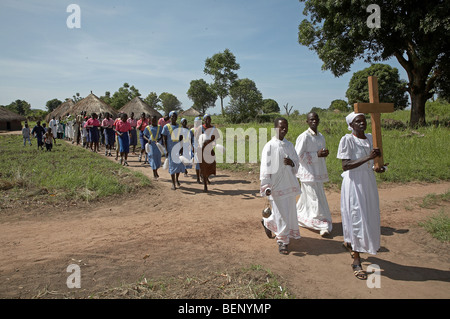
(221, 67)
(121, 97)
(391, 88)
(53, 104)
(169, 102)
(202, 94)
(245, 101)
(415, 32)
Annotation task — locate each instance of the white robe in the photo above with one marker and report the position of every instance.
(53, 124)
(312, 207)
(360, 208)
(281, 180)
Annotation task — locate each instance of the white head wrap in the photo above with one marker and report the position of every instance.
(349, 119)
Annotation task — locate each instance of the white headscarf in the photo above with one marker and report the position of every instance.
(349, 119)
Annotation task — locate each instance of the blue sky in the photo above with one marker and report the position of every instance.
(159, 46)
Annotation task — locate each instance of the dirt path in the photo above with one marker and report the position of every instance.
(161, 232)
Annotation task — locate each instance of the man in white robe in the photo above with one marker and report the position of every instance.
(312, 207)
(53, 125)
(279, 164)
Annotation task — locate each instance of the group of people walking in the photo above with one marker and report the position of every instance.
(158, 137)
(283, 165)
(286, 171)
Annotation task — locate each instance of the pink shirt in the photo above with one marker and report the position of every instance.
(144, 124)
(92, 122)
(122, 126)
(161, 122)
(108, 123)
(133, 122)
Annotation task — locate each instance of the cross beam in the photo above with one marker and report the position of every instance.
(375, 108)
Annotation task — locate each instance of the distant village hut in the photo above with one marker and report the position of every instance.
(190, 112)
(138, 106)
(92, 104)
(10, 121)
(62, 110)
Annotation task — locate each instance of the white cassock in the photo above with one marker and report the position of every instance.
(53, 124)
(281, 180)
(360, 208)
(312, 207)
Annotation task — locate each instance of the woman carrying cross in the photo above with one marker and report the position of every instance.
(360, 208)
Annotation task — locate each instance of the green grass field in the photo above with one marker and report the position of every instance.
(413, 155)
(65, 173)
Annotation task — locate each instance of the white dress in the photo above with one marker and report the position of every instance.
(360, 207)
(312, 207)
(281, 180)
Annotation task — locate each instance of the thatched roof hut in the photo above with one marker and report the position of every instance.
(190, 112)
(92, 104)
(138, 106)
(62, 110)
(10, 121)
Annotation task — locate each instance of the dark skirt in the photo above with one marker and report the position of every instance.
(133, 137)
(124, 143)
(110, 135)
(93, 134)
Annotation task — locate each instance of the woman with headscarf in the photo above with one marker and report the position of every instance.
(171, 134)
(360, 208)
(206, 144)
(152, 135)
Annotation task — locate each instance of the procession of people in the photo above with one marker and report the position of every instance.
(292, 176)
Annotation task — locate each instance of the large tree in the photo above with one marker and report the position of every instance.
(202, 94)
(21, 107)
(246, 101)
(169, 102)
(221, 67)
(122, 96)
(153, 100)
(52, 104)
(415, 32)
(391, 88)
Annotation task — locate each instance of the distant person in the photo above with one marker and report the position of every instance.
(141, 124)
(26, 132)
(312, 207)
(48, 139)
(38, 132)
(152, 135)
(279, 165)
(93, 125)
(53, 125)
(171, 134)
(360, 208)
(187, 145)
(197, 131)
(133, 134)
(164, 120)
(122, 128)
(206, 144)
(108, 130)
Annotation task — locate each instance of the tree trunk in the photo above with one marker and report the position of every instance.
(418, 100)
(221, 105)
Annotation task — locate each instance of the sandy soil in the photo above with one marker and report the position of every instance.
(164, 233)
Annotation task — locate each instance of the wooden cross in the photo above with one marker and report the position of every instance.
(375, 108)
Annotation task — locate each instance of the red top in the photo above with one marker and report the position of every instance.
(122, 126)
(92, 122)
(144, 125)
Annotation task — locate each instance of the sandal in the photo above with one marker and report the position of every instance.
(267, 231)
(283, 249)
(359, 272)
